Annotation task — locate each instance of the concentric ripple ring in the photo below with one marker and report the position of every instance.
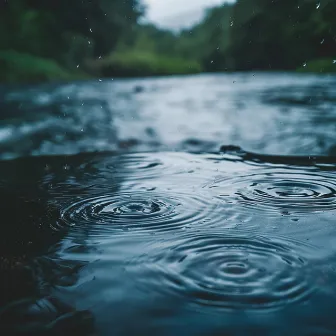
(140, 212)
(283, 190)
(228, 272)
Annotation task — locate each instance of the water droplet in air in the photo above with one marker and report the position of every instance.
(77, 66)
(322, 41)
(231, 23)
(334, 61)
(304, 64)
(318, 6)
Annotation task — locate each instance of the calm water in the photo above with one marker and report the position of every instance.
(156, 216)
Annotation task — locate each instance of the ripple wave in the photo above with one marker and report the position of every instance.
(284, 190)
(228, 272)
(141, 212)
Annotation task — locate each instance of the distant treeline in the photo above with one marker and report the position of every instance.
(44, 40)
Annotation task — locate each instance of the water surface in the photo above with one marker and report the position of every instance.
(169, 228)
(262, 112)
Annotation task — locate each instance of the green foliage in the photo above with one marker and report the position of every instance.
(282, 34)
(20, 67)
(137, 63)
(67, 31)
(320, 65)
(48, 40)
(209, 40)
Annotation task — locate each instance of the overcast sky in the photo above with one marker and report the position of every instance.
(176, 14)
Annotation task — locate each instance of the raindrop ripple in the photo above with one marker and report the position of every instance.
(251, 273)
(281, 190)
(140, 212)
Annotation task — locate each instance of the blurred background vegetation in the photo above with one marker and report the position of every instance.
(63, 40)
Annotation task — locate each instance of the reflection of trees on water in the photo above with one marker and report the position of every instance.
(32, 193)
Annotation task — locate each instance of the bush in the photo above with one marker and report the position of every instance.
(135, 64)
(319, 65)
(22, 67)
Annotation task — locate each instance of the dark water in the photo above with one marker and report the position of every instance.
(169, 228)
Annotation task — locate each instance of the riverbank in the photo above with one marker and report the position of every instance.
(18, 67)
(142, 64)
(319, 66)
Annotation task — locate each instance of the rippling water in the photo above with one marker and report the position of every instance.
(174, 229)
(268, 113)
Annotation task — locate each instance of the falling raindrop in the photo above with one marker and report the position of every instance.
(322, 41)
(231, 23)
(77, 66)
(304, 64)
(318, 6)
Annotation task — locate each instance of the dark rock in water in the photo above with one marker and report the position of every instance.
(129, 143)
(197, 146)
(305, 160)
(138, 89)
(45, 316)
(230, 149)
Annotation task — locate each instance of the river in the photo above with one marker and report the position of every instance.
(196, 205)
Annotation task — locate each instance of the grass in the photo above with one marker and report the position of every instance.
(326, 65)
(136, 64)
(16, 67)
